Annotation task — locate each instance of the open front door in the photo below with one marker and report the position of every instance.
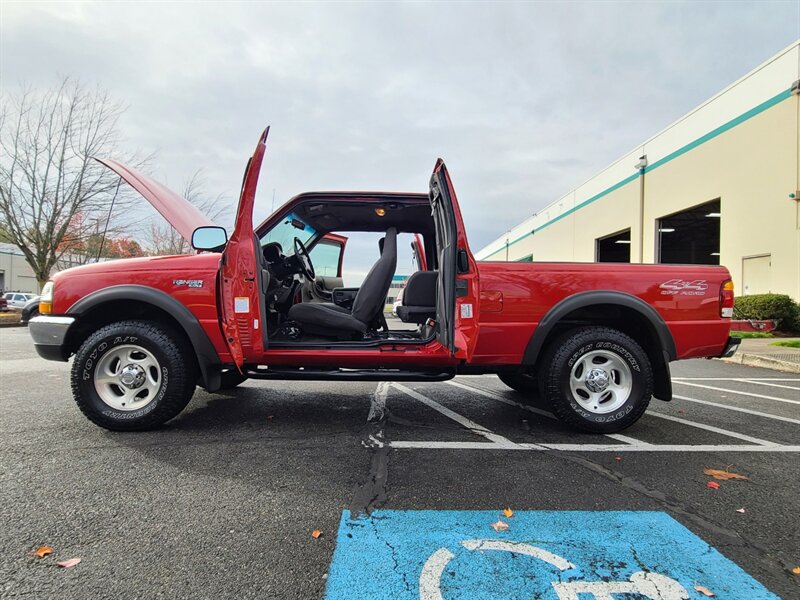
(458, 289)
(243, 310)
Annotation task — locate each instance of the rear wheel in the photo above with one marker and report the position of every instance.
(133, 375)
(524, 383)
(596, 379)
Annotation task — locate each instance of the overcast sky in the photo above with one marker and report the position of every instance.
(523, 101)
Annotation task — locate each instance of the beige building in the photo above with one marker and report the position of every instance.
(721, 185)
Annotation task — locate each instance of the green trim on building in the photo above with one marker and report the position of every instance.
(680, 151)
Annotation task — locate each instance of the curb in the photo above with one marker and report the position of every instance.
(758, 360)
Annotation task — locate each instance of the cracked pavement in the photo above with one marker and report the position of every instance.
(221, 502)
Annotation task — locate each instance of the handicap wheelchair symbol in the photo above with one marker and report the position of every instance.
(651, 585)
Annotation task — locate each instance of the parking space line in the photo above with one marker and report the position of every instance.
(433, 445)
(538, 411)
(504, 400)
(735, 379)
(471, 425)
(777, 385)
(729, 391)
(738, 409)
(627, 439)
(711, 428)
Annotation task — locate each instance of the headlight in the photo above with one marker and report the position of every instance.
(46, 299)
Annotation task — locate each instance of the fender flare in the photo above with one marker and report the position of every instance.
(663, 383)
(207, 357)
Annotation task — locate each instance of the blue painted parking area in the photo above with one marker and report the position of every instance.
(546, 555)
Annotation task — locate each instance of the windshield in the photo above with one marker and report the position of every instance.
(285, 232)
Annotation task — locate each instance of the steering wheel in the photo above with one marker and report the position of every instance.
(304, 259)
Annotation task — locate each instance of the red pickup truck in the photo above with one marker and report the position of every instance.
(593, 341)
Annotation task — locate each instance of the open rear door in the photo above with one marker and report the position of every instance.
(458, 290)
(243, 311)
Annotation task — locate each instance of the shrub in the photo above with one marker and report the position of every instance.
(774, 307)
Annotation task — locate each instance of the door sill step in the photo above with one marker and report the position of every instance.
(303, 374)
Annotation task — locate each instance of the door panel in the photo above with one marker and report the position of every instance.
(756, 277)
(243, 310)
(457, 306)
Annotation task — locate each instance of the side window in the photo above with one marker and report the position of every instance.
(326, 258)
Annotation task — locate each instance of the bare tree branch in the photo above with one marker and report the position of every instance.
(164, 240)
(52, 195)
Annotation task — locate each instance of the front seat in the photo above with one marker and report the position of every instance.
(327, 319)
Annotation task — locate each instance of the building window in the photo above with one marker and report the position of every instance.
(528, 258)
(614, 248)
(690, 236)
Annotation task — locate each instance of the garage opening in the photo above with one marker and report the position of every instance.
(690, 236)
(614, 248)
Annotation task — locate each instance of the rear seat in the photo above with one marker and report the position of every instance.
(419, 298)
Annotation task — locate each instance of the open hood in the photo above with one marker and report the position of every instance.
(177, 210)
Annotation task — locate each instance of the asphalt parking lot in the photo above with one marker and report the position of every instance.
(222, 501)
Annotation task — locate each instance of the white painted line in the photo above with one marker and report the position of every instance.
(777, 385)
(460, 445)
(557, 561)
(538, 411)
(626, 439)
(431, 575)
(465, 422)
(735, 379)
(503, 399)
(719, 430)
(422, 445)
(377, 408)
(737, 392)
(741, 410)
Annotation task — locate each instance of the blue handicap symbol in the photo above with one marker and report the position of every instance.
(544, 555)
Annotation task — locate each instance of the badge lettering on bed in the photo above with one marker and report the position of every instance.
(192, 283)
(241, 304)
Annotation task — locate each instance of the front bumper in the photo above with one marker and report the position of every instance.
(731, 347)
(48, 335)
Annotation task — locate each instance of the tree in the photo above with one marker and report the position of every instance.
(164, 239)
(52, 194)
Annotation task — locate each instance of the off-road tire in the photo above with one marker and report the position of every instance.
(561, 356)
(524, 383)
(230, 379)
(178, 374)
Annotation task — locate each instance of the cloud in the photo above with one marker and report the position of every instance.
(523, 101)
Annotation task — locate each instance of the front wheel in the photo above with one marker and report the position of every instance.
(596, 379)
(133, 375)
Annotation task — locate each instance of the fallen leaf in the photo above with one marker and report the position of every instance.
(713, 485)
(508, 513)
(43, 551)
(316, 533)
(499, 526)
(740, 510)
(705, 591)
(69, 563)
(796, 570)
(724, 475)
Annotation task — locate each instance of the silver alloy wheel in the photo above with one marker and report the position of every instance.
(127, 377)
(600, 381)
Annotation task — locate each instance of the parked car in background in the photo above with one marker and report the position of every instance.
(30, 310)
(3, 304)
(17, 300)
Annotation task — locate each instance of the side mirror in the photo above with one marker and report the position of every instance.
(209, 238)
